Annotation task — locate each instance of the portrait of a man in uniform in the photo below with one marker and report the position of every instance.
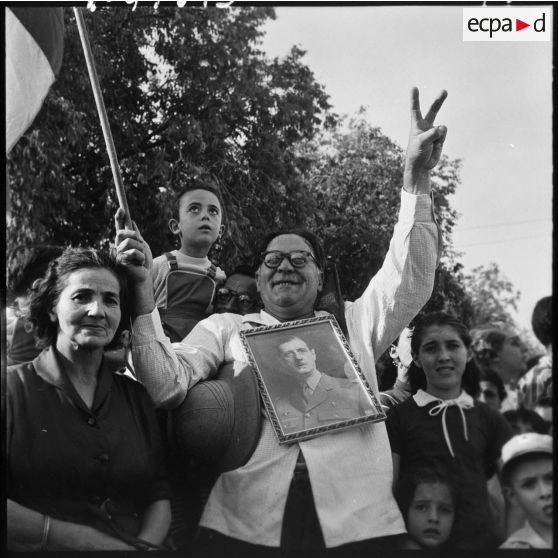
(307, 398)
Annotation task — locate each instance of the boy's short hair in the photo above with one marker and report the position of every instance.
(527, 417)
(521, 448)
(427, 472)
(203, 182)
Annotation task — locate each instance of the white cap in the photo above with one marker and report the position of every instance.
(523, 444)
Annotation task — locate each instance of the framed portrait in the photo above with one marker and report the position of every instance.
(309, 379)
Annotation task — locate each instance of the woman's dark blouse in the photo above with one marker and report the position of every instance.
(418, 439)
(66, 460)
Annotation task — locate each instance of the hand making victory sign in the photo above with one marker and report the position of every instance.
(425, 145)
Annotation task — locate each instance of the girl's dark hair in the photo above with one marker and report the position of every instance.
(45, 291)
(310, 237)
(431, 474)
(417, 378)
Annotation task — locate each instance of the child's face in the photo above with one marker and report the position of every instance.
(531, 489)
(489, 395)
(199, 222)
(443, 356)
(431, 514)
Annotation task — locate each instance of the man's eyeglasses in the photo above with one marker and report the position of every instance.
(224, 296)
(298, 258)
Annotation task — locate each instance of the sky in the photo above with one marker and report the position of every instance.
(498, 113)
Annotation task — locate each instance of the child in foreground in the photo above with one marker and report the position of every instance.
(526, 470)
(185, 280)
(428, 503)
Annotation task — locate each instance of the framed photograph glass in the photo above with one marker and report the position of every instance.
(309, 380)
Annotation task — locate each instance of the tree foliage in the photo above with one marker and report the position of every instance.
(355, 175)
(186, 90)
(493, 297)
(189, 91)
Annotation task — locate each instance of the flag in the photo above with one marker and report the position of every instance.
(34, 46)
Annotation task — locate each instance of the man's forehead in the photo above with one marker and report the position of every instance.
(289, 242)
(201, 196)
(293, 343)
(241, 283)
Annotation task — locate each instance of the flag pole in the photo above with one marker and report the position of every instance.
(120, 192)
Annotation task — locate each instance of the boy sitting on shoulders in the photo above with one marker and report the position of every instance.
(185, 280)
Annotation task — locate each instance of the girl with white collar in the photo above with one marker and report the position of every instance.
(442, 425)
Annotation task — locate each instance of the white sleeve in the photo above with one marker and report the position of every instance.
(405, 281)
(168, 370)
(159, 272)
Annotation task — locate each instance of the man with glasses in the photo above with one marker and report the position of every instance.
(239, 294)
(334, 491)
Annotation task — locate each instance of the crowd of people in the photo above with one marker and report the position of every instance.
(134, 421)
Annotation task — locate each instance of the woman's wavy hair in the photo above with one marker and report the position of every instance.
(45, 292)
(487, 342)
(417, 378)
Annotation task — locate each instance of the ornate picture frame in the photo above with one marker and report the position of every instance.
(309, 379)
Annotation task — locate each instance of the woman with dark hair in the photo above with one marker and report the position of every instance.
(417, 376)
(442, 425)
(84, 457)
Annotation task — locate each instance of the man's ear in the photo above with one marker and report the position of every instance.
(320, 281)
(174, 226)
(510, 495)
(257, 277)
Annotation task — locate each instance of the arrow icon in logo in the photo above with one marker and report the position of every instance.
(519, 25)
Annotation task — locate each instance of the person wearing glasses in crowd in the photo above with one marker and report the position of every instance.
(343, 501)
(239, 294)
